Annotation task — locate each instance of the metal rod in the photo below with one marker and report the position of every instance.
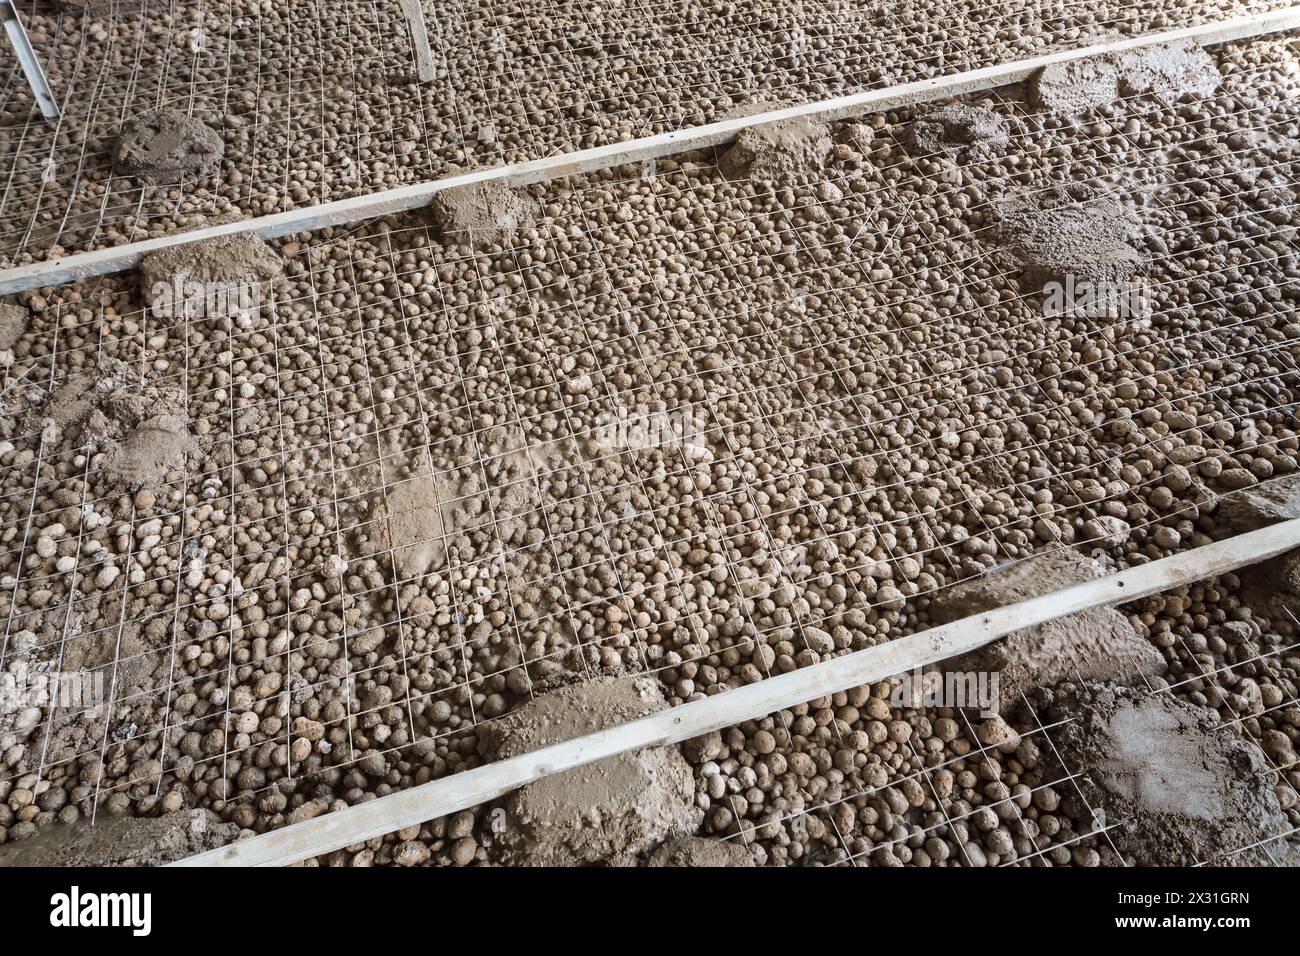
(22, 45)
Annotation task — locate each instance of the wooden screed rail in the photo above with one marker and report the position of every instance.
(461, 791)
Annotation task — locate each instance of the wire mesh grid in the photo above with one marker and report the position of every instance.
(316, 101)
(964, 790)
(706, 429)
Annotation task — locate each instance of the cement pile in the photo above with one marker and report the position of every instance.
(955, 126)
(776, 152)
(1098, 644)
(701, 851)
(1259, 505)
(1180, 789)
(140, 428)
(483, 212)
(1167, 72)
(1070, 235)
(167, 145)
(217, 278)
(604, 812)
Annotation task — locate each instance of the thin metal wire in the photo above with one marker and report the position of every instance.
(767, 400)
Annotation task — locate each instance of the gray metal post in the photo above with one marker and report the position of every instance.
(27, 58)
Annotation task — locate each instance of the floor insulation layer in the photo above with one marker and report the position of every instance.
(705, 420)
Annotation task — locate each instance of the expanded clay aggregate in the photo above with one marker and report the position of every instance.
(855, 779)
(866, 405)
(314, 101)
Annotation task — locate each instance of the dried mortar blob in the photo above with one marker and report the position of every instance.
(165, 145)
(701, 851)
(1076, 85)
(774, 152)
(957, 126)
(1067, 235)
(77, 401)
(225, 277)
(603, 812)
(1179, 787)
(122, 841)
(484, 212)
(13, 323)
(141, 429)
(1166, 71)
(1258, 505)
(144, 455)
(1272, 589)
(414, 520)
(1095, 644)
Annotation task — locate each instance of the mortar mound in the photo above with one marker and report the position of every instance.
(956, 126)
(166, 145)
(1272, 589)
(1259, 505)
(121, 841)
(140, 427)
(1167, 71)
(701, 851)
(484, 212)
(1178, 787)
(148, 451)
(778, 151)
(1068, 236)
(13, 323)
(605, 811)
(1076, 86)
(215, 278)
(1097, 644)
